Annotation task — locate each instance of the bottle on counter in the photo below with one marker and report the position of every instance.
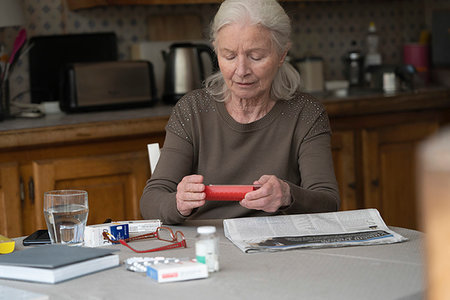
(207, 247)
(373, 57)
(3, 58)
(354, 66)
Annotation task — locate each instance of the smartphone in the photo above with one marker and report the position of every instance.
(39, 237)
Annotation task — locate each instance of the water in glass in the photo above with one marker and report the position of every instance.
(66, 213)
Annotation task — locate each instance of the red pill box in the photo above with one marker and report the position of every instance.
(228, 192)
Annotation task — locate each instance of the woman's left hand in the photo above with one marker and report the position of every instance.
(273, 194)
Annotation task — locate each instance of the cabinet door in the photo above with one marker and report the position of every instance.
(343, 149)
(10, 204)
(114, 183)
(389, 170)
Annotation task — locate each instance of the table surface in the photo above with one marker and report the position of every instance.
(392, 271)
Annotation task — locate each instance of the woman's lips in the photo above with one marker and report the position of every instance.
(244, 84)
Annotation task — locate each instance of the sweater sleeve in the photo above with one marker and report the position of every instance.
(158, 200)
(318, 190)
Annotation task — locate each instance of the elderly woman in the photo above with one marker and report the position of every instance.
(249, 125)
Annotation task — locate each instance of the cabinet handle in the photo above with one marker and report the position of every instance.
(352, 185)
(21, 191)
(376, 182)
(31, 189)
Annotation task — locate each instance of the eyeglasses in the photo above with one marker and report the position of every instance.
(162, 233)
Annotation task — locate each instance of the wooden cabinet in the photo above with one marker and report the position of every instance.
(107, 159)
(389, 170)
(114, 183)
(10, 200)
(374, 151)
(343, 150)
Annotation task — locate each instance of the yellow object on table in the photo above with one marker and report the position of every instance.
(6, 245)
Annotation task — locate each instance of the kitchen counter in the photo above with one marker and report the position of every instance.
(362, 102)
(60, 118)
(62, 128)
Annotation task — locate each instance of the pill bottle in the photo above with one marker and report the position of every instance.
(207, 247)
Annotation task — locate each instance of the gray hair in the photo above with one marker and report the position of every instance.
(271, 15)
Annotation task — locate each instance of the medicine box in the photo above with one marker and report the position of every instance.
(177, 271)
(93, 234)
(141, 226)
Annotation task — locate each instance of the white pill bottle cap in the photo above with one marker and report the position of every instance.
(206, 229)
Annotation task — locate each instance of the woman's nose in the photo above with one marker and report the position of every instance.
(242, 68)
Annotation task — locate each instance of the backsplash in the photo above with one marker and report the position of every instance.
(323, 29)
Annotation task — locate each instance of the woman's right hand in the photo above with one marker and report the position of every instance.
(190, 194)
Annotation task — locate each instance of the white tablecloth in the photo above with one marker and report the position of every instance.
(365, 272)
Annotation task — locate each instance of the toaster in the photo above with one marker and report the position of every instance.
(107, 85)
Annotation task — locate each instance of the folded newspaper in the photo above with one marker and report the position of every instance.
(320, 230)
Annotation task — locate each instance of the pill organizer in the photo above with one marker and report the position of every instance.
(228, 192)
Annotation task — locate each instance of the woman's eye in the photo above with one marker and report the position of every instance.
(228, 55)
(256, 56)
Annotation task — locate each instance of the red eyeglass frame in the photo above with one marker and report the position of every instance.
(150, 235)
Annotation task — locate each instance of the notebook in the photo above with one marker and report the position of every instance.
(55, 263)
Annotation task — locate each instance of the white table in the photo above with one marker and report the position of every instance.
(365, 272)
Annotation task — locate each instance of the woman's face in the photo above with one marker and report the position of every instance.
(247, 59)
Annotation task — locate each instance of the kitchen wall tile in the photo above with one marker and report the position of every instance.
(319, 28)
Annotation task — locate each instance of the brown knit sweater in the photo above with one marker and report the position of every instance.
(292, 142)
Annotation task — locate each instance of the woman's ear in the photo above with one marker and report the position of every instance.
(285, 52)
(283, 57)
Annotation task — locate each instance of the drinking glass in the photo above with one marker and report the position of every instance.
(66, 213)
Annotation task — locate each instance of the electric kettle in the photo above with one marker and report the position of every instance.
(185, 69)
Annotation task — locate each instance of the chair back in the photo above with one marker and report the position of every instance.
(153, 155)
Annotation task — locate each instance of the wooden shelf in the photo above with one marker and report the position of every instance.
(83, 4)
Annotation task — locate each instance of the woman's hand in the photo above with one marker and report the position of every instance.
(273, 194)
(190, 194)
